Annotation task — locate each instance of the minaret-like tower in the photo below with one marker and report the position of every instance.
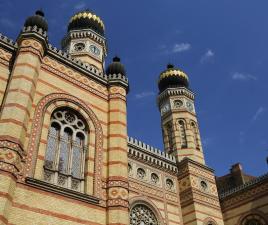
(85, 39)
(178, 118)
(199, 200)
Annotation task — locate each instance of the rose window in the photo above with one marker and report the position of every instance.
(142, 215)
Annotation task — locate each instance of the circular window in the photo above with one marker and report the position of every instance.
(69, 117)
(154, 178)
(80, 124)
(79, 47)
(169, 184)
(178, 103)
(140, 173)
(58, 115)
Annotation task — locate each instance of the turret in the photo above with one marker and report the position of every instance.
(178, 118)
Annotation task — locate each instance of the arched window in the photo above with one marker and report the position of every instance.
(169, 136)
(65, 154)
(253, 222)
(140, 214)
(182, 134)
(253, 219)
(195, 133)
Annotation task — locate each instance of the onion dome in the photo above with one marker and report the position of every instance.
(37, 20)
(86, 20)
(116, 67)
(172, 77)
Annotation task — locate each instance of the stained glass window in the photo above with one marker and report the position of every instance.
(64, 160)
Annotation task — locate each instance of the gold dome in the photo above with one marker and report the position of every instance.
(172, 77)
(86, 20)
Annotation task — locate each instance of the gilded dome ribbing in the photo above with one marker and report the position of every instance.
(86, 20)
(172, 77)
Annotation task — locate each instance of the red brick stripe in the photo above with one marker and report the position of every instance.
(5, 195)
(26, 64)
(117, 136)
(3, 78)
(117, 162)
(14, 122)
(22, 92)
(53, 214)
(117, 149)
(117, 122)
(61, 90)
(117, 110)
(24, 77)
(3, 219)
(18, 106)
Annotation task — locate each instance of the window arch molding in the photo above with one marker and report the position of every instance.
(256, 215)
(43, 111)
(143, 200)
(209, 221)
(182, 126)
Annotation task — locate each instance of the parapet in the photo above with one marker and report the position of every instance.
(150, 155)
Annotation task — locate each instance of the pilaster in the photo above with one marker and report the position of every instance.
(17, 105)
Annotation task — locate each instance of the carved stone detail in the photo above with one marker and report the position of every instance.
(11, 157)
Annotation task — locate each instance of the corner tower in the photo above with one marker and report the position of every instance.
(85, 39)
(178, 118)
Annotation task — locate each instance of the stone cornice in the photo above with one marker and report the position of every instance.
(35, 33)
(63, 57)
(175, 92)
(142, 152)
(85, 34)
(62, 191)
(77, 64)
(118, 79)
(247, 186)
(187, 161)
(8, 44)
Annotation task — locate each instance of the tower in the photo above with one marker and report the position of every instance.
(178, 118)
(85, 39)
(197, 186)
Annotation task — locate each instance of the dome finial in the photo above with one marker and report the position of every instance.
(170, 66)
(40, 12)
(116, 59)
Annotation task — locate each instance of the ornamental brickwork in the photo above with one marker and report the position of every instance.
(121, 180)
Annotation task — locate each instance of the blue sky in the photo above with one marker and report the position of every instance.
(221, 45)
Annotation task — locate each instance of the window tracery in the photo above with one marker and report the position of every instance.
(140, 214)
(65, 154)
